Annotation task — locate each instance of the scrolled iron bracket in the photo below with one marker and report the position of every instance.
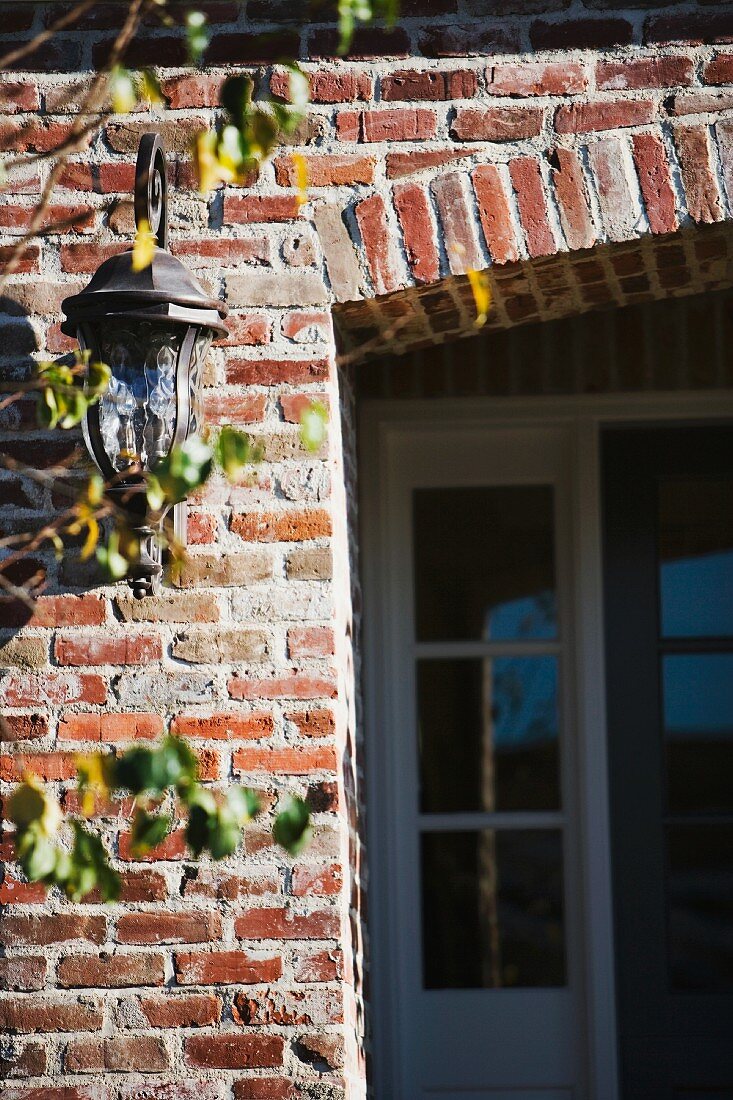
(151, 188)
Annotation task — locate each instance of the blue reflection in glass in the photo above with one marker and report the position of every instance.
(533, 617)
(524, 700)
(696, 595)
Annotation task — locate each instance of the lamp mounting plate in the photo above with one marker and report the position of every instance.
(151, 188)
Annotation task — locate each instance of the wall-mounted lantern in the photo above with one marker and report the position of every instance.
(152, 328)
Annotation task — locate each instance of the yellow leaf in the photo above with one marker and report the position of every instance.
(92, 769)
(481, 289)
(301, 177)
(30, 802)
(143, 249)
(90, 542)
(209, 167)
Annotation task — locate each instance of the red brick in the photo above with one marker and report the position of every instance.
(327, 87)
(311, 641)
(312, 881)
(694, 28)
(136, 885)
(168, 927)
(35, 135)
(371, 216)
(572, 198)
(116, 971)
(251, 329)
(698, 175)
(292, 761)
(303, 327)
(234, 1051)
(367, 43)
(497, 123)
(228, 252)
(52, 688)
(536, 78)
(396, 124)
(17, 96)
(51, 928)
(293, 405)
(173, 847)
(22, 974)
(457, 220)
(110, 727)
(22, 727)
(56, 219)
(530, 192)
(192, 90)
(265, 1088)
(495, 214)
(283, 924)
(232, 887)
(581, 34)
(406, 164)
(188, 1010)
(222, 408)
(248, 48)
(276, 372)
(138, 649)
(29, 1060)
(429, 84)
(326, 170)
(15, 892)
(200, 529)
(141, 1053)
(290, 526)
(322, 966)
(296, 686)
(579, 118)
(224, 727)
(697, 103)
(87, 257)
(225, 968)
(29, 1014)
(652, 165)
(312, 723)
(413, 211)
(67, 611)
(50, 766)
(260, 208)
(445, 39)
(98, 178)
(671, 71)
(719, 70)
(29, 260)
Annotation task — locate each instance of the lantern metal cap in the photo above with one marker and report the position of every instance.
(165, 288)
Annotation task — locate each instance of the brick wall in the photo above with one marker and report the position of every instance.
(480, 137)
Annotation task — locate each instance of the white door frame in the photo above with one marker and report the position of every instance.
(382, 424)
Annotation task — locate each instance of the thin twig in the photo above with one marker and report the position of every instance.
(349, 357)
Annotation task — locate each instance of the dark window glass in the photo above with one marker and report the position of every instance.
(493, 909)
(484, 563)
(488, 734)
(701, 907)
(698, 722)
(695, 532)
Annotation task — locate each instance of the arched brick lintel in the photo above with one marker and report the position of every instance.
(616, 187)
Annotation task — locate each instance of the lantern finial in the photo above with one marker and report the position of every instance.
(151, 186)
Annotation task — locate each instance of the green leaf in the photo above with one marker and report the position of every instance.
(112, 561)
(225, 834)
(292, 829)
(236, 99)
(183, 470)
(197, 829)
(148, 831)
(121, 90)
(234, 452)
(197, 35)
(40, 859)
(243, 803)
(314, 426)
(89, 868)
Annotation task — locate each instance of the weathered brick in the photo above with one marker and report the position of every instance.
(284, 924)
(52, 688)
(310, 564)
(326, 170)
(578, 118)
(40, 1013)
(168, 607)
(311, 880)
(313, 722)
(572, 198)
(133, 649)
(406, 164)
(110, 971)
(17, 96)
(290, 526)
(371, 216)
(497, 123)
(495, 213)
(260, 208)
(319, 966)
(719, 70)
(531, 200)
(311, 641)
(224, 727)
(327, 86)
(459, 234)
(291, 288)
(530, 78)
(225, 968)
(698, 174)
(664, 71)
(46, 765)
(607, 159)
(110, 727)
(293, 761)
(227, 646)
(22, 974)
(295, 686)
(188, 1010)
(413, 211)
(232, 570)
(173, 847)
(28, 1060)
(234, 1051)
(121, 1054)
(168, 927)
(429, 84)
(580, 34)
(221, 408)
(652, 166)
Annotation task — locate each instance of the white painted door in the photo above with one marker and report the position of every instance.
(478, 939)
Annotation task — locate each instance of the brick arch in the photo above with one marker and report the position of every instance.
(608, 220)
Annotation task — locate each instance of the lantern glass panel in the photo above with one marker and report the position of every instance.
(200, 351)
(137, 414)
